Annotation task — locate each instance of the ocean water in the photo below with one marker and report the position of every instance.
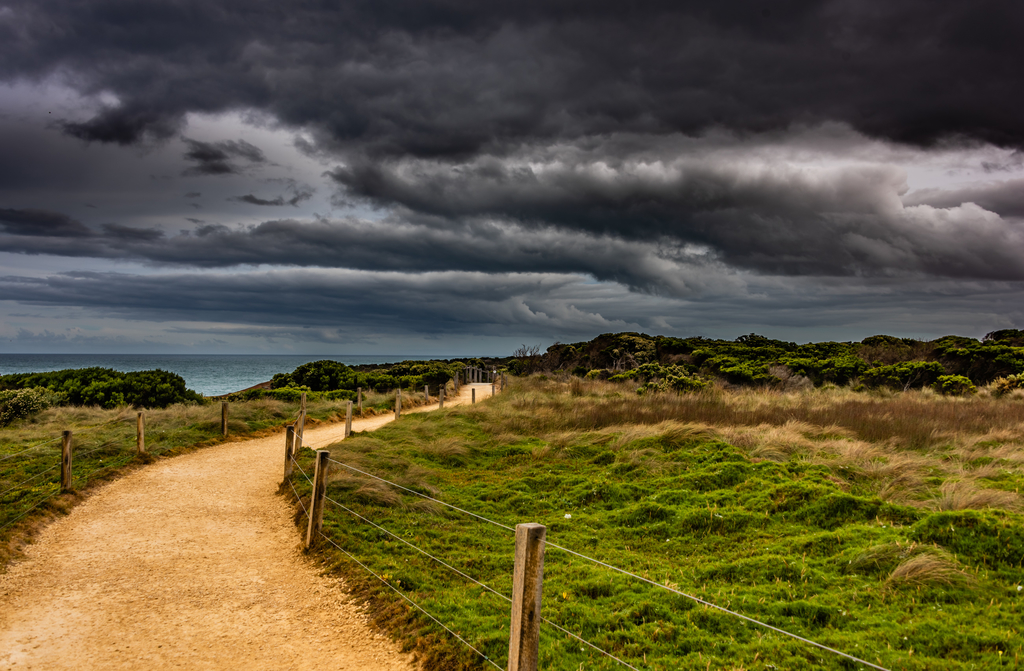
(209, 374)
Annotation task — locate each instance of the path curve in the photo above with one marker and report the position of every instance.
(192, 562)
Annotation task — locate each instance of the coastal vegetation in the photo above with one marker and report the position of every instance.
(884, 524)
(101, 387)
(331, 376)
(951, 365)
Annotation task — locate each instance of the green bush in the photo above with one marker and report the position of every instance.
(22, 403)
(108, 388)
(904, 375)
(955, 385)
(327, 375)
(294, 394)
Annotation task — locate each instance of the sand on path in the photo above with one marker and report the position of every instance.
(191, 562)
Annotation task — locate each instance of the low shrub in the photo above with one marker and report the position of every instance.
(1004, 385)
(22, 403)
(954, 385)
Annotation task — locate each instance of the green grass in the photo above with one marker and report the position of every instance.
(791, 540)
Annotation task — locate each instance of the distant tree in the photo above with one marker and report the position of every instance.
(528, 357)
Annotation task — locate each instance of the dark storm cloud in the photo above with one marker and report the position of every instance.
(125, 126)
(328, 300)
(753, 210)
(274, 202)
(849, 231)
(394, 246)
(40, 223)
(214, 158)
(407, 77)
(131, 233)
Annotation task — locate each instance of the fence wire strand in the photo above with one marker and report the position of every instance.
(29, 480)
(717, 607)
(420, 550)
(429, 498)
(583, 640)
(29, 449)
(38, 503)
(301, 471)
(411, 602)
(298, 498)
(104, 446)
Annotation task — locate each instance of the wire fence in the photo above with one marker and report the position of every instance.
(299, 445)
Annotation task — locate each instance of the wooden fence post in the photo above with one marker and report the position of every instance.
(426, 394)
(440, 399)
(65, 463)
(527, 580)
(224, 418)
(316, 505)
(289, 442)
(398, 403)
(140, 434)
(359, 395)
(492, 387)
(348, 419)
(472, 395)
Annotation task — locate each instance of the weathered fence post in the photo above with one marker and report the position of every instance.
(527, 580)
(359, 396)
(316, 505)
(65, 463)
(440, 399)
(426, 394)
(492, 387)
(224, 418)
(289, 442)
(348, 419)
(398, 403)
(472, 395)
(140, 434)
(456, 381)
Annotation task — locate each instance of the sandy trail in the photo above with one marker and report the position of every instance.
(191, 562)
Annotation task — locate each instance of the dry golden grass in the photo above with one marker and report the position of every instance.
(928, 568)
(964, 494)
(918, 448)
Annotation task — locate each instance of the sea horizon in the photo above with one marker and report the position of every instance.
(208, 374)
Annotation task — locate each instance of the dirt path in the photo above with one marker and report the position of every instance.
(194, 563)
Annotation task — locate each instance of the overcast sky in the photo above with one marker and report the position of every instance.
(420, 177)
